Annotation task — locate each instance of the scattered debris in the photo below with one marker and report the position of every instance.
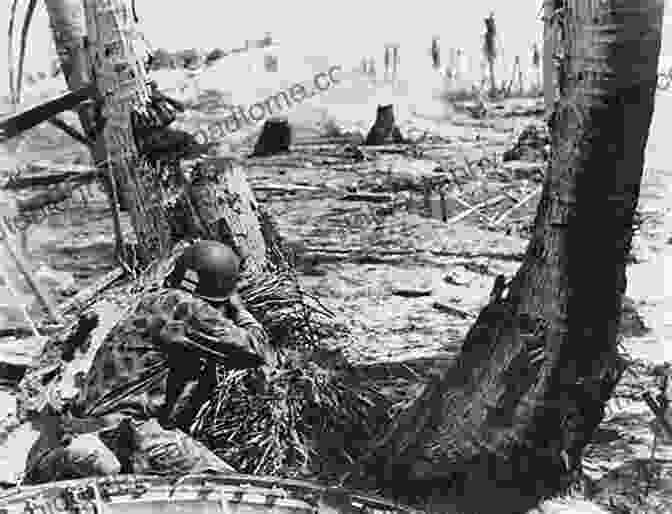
(533, 144)
(526, 198)
(453, 310)
(368, 197)
(412, 293)
(475, 208)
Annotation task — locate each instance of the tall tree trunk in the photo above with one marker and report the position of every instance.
(68, 28)
(122, 85)
(508, 423)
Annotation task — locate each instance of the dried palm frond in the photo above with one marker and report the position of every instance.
(314, 415)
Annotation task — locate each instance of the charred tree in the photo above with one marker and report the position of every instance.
(490, 51)
(384, 129)
(507, 424)
(275, 138)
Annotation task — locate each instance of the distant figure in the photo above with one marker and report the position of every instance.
(490, 50)
(536, 64)
(372, 67)
(436, 53)
(460, 66)
(395, 60)
(386, 62)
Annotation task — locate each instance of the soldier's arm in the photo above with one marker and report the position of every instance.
(257, 334)
(199, 327)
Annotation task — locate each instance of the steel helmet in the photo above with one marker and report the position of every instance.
(207, 269)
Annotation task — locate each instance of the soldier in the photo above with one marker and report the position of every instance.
(436, 54)
(150, 379)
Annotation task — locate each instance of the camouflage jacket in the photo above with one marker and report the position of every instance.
(170, 333)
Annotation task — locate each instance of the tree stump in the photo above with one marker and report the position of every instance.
(275, 138)
(225, 209)
(384, 130)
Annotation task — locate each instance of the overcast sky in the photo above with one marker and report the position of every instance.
(345, 30)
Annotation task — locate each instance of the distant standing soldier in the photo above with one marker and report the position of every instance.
(536, 64)
(490, 49)
(436, 53)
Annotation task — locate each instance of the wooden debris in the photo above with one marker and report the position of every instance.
(453, 310)
(518, 204)
(368, 197)
(475, 208)
(9, 242)
(86, 296)
(663, 425)
(412, 293)
(463, 203)
(54, 174)
(60, 123)
(15, 124)
(288, 188)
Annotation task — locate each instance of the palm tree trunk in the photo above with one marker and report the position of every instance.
(509, 421)
(68, 28)
(122, 85)
(493, 82)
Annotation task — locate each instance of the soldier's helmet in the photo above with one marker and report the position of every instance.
(207, 269)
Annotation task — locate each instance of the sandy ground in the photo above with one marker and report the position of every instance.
(363, 258)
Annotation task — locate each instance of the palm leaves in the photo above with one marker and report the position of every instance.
(15, 80)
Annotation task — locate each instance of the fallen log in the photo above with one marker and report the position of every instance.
(368, 197)
(453, 310)
(54, 175)
(13, 125)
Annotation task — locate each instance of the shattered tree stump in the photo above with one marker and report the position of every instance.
(275, 138)
(217, 204)
(384, 130)
(222, 206)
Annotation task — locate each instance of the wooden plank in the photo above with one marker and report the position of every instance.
(55, 174)
(14, 124)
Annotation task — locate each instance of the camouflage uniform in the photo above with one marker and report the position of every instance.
(159, 364)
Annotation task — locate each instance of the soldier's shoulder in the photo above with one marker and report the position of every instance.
(169, 299)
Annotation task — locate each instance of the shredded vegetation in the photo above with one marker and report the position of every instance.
(316, 415)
